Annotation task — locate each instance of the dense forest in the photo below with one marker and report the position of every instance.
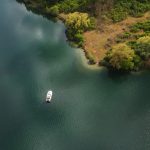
(119, 29)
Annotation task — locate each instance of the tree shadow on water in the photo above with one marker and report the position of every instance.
(118, 76)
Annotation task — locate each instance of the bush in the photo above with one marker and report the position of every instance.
(138, 8)
(79, 39)
(54, 10)
(145, 26)
(122, 57)
(69, 6)
(118, 14)
(79, 22)
(122, 8)
(76, 24)
(142, 47)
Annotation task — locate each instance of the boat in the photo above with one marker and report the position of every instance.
(49, 96)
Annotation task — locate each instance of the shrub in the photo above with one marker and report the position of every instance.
(69, 6)
(79, 39)
(138, 8)
(118, 14)
(145, 26)
(142, 47)
(76, 24)
(122, 57)
(79, 22)
(122, 8)
(54, 10)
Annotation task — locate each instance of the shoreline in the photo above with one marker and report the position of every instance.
(96, 43)
(85, 62)
(34, 7)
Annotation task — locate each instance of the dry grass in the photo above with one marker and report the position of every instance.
(98, 42)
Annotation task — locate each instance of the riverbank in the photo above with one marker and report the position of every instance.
(95, 41)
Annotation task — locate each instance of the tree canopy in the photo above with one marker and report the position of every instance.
(142, 47)
(122, 57)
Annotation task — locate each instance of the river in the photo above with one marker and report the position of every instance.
(91, 109)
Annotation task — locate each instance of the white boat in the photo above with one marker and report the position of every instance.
(49, 96)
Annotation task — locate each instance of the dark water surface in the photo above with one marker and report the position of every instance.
(91, 109)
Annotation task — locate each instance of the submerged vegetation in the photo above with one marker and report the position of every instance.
(122, 27)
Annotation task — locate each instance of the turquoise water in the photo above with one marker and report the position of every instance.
(91, 109)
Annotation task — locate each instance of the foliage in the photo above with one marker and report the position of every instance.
(54, 10)
(118, 14)
(79, 39)
(136, 31)
(142, 47)
(69, 6)
(123, 8)
(122, 57)
(78, 21)
(76, 24)
(145, 26)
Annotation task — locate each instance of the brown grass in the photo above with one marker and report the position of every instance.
(98, 42)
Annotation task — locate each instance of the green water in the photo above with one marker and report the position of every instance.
(91, 109)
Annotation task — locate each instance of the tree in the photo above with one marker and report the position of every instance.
(54, 10)
(142, 47)
(122, 57)
(76, 24)
(79, 22)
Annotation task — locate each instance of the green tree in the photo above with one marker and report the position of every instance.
(76, 24)
(54, 10)
(79, 22)
(142, 47)
(122, 57)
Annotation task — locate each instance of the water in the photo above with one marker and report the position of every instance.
(91, 109)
